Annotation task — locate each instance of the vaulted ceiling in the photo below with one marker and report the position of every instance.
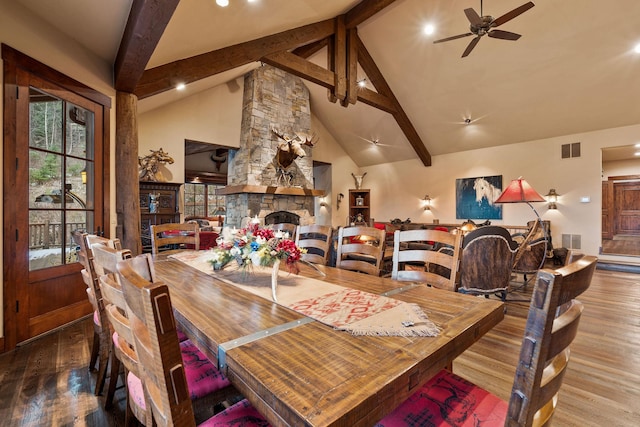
(572, 71)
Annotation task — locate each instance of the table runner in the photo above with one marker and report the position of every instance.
(352, 310)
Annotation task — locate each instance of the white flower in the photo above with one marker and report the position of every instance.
(234, 251)
(279, 234)
(261, 240)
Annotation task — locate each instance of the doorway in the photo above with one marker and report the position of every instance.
(621, 201)
(55, 141)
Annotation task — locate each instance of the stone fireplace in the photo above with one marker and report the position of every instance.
(272, 98)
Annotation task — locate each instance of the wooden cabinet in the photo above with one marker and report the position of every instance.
(360, 207)
(159, 204)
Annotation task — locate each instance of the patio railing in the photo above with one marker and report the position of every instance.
(49, 234)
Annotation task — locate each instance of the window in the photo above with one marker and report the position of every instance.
(200, 200)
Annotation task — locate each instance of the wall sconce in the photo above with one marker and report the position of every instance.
(340, 197)
(427, 203)
(552, 198)
(323, 202)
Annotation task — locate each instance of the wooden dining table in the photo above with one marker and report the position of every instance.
(299, 372)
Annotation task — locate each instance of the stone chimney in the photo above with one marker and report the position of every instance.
(272, 98)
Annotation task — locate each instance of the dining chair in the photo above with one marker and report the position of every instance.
(316, 239)
(486, 261)
(171, 237)
(552, 323)
(360, 249)
(100, 347)
(435, 264)
(164, 369)
(124, 354)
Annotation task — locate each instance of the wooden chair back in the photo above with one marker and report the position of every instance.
(316, 239)
(360, 249)
(437, 267)
(174, 234)
(572, 256)
(551, 326)
(486, 261)
(150, 314)
(105, 260)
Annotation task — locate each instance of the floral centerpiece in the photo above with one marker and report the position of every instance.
(254, 245)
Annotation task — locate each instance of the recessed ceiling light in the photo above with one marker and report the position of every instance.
(637, 153)
(637, 145)
(429, 29)
(467, 121)
(362, 83)
(180, 86)
(223, 3)
(637, 48)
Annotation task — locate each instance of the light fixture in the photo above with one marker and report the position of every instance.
(83, 175)
(338, 200)
(222, 3)
(429, 29)
(552, 198)
(180, 86)
(427, 203)
(362, 83)
(323, 201)
(467, 121)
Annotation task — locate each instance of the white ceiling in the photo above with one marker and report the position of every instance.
(572, 71)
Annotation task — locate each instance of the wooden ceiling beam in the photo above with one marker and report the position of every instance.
(340, 60)
(377, 79)
(302, 68)
(145, 25)
(165, 77)
(351, 67)
(363, 11)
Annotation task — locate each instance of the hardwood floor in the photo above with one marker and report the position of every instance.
(46, 382)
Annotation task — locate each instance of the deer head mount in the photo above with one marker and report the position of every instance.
(290, 149)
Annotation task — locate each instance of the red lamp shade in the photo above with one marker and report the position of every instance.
(519, 191)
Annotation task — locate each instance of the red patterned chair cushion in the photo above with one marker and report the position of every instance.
(202, 377)
(240, 414)
(448, 400)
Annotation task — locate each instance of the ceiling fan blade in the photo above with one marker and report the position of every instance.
(459, 36)
(469, 48)
(510, 15)
(473, 17)
(504, 35)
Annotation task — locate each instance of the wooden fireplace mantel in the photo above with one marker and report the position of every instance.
(265, 189)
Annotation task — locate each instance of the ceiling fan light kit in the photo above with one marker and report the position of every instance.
(481, 25)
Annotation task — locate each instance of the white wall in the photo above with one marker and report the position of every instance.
(620, 168)
(30, 35)
(214, 116)
(398, 188)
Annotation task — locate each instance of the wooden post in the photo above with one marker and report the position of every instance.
(127, 190)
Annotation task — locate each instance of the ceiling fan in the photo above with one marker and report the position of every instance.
(483, 25)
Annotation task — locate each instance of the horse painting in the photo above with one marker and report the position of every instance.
(486, 190)
(475, 197)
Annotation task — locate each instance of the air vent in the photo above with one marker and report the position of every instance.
(570, 150)
(571, 241)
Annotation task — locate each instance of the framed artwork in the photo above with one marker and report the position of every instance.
(475, 197)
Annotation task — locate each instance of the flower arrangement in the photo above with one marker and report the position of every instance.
(255, 245)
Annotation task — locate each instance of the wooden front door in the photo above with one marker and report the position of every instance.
(53, 171)
(627, 208)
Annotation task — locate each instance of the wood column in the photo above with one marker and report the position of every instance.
(127, 187)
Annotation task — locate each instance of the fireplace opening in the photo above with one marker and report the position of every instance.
(280, 217)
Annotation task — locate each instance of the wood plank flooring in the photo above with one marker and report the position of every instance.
(46, 382)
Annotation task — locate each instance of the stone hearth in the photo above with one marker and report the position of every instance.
(272, 98)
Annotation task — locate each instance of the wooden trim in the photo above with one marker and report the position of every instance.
(44, 71)
(624, 177)
(147, 21)
(264, 189)
(54, 319)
